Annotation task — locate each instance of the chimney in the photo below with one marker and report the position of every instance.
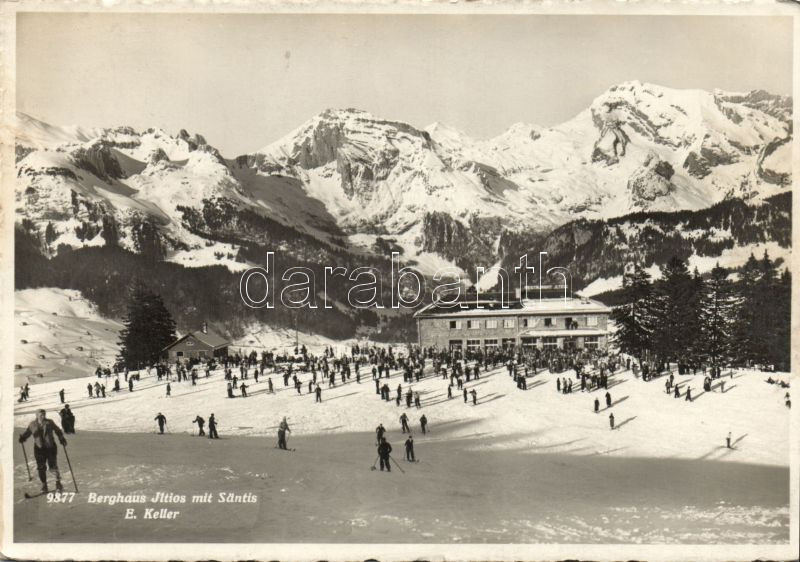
(205, 328)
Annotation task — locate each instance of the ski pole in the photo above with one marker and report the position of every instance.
(69, 464)
(398, 465)
(376, 462)
(25, 454)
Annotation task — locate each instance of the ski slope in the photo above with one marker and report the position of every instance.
(650, 423)
(57, 323)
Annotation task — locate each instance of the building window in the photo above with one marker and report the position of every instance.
(179, 354)
(490, 343)
(548, 322)
(549, 342)
(528, 342)
(591, 320)
(456, 344)
(530, 322)
(455, 324)
(508, 323)
(473, 324)
(591, 342)
(473, 344)
(491, 324)
(509, 343)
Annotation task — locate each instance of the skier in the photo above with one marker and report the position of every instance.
(677, 393)
(200, 423)
(318, 392)
(243, 388)
(212, 427)
(67, 419)
(384, 450)
(89, 388)
(283, 427)
(558, 385)
(728, 440)
(474, 397)
(61, 395)
(465, 395)
(410, 449)
(269, 384)
(130, 385)
(416, 400)
(611, 420)
(449, 391)
(162, 420)
(423, 423)
(596, 405)
(44, 447)
(608, 399)
(379, 431)
(169, 390)
(688, 394)
(404, 423)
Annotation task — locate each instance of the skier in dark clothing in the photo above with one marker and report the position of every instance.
(611, 420)
(243, 388)
(449, 391)
(689, 393)
(61, 395)
(404, 423)
(89, 388)
(67, 419)
(677, 393)
(212, 427)
(423, 423)
(130, 385)
(162, 421)
(410, 449)
(318, 393)
(379, 431)
(269, 384)
(384, 450)
(44, 447)
(283, 427)
(200, 423)
(596, 405)
(169, 389)
(608, 399)
(465, 395)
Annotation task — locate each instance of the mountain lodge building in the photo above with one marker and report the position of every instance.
(549, 322)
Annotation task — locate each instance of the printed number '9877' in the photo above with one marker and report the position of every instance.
(60, 497)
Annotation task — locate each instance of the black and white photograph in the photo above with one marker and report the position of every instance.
(348, 284)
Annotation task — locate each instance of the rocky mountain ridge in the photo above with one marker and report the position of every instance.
(348, 181)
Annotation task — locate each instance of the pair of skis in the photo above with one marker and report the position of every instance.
(30, 477)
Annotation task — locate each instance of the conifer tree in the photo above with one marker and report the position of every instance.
(673, 309)
(634, 319)
(717, 309)
(149, 328)
(744, 336)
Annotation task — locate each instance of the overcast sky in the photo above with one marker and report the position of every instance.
(245, 80)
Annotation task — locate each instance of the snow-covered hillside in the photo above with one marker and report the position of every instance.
(58, 335)
(651, 422)
(346, 174)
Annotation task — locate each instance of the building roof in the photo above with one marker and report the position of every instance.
(529, 307)
(210, 338)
